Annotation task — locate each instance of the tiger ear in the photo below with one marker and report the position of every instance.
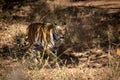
(54, 24)
(64, 24)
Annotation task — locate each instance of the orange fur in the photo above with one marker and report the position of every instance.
(118, 51)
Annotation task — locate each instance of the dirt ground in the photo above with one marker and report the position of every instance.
(88, 54)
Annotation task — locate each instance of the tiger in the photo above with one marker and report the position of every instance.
(48, 37)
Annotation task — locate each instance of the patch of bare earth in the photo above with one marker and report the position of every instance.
(101, 4)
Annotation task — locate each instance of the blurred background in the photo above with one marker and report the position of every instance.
(93, 30)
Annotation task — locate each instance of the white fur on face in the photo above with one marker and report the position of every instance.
(59, 27)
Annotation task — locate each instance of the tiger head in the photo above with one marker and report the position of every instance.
(60, 31)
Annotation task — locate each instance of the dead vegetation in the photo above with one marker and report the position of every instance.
(90, 49)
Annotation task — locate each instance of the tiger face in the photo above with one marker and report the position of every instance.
(59, 32)
(47, 37)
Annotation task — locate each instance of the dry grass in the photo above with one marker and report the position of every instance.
(17, 70)
(7, 37)
(24, 69)
(79, 63)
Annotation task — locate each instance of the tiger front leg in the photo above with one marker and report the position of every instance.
(48, 54)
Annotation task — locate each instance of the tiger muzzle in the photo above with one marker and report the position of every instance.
(61, 37)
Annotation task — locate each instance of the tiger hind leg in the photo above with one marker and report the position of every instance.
(33, 54)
